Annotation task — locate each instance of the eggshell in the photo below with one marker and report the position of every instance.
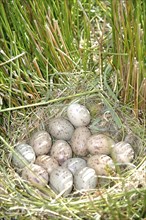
(36, 175)
(23, 154)
(74, 164)
(136, 143)
(61, 151)
(102, 164)
(78, 115)
(41, 142)
(79, 139)
(85, 178)
(61, 128)
(61, 181)
(99, 144)
(47, 162)
(122, 152)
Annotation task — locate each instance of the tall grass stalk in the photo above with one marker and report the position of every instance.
(37, 36)
(129, 37)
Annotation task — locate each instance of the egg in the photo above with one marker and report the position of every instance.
(74, 164)
(122, 152)
(61, 128)
(47, 162)
(35, 174)
(23, 154)
(85, 179)
(135, 142)
(78, 141)
(61, 181)
(78, 115)
(61, 151)
(41, 142)
(102, 164)
(99, 144)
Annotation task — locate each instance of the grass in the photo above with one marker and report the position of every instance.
(129, 39)
(54, 52)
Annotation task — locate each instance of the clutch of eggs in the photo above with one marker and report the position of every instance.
(68, 156)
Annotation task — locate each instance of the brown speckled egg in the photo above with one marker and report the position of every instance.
(99, 144)
(79, 139)
(122, 152)
(74, 164)
(85, 179)
(61, 181)
(61, 128)
(41, 142)
(61, 151)
(36, 175)
(47, 162)
(78, 115)
(23, 154)
(102, 164)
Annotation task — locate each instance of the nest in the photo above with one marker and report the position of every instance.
(110, 200)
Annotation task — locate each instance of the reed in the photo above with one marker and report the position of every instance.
(129, 37)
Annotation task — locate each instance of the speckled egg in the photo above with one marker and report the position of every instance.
(99, 144)
(122, 152)
(78, 115)
(136, 143)
(41, 142)
(61, 181)
(23, 154)
(79, 139)
(61, 128)
(74, 164)
(35, 174)
(102, 164)
(61, 151)
(47, 162)
(85, 179)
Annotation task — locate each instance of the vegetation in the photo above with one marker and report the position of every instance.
(53, 52)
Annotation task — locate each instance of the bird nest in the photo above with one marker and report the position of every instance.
(110, 200)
